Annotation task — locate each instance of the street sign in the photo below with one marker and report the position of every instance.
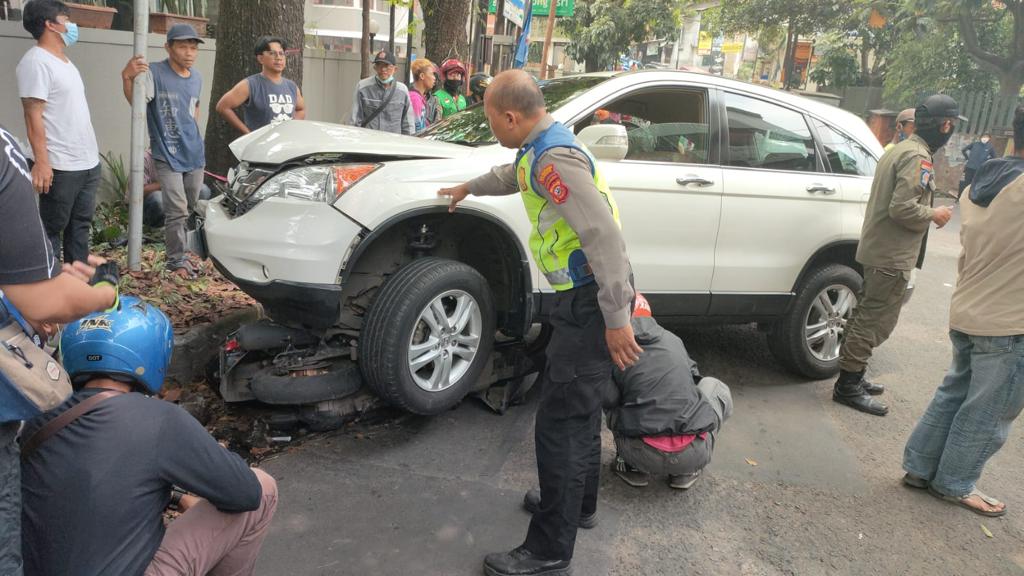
(540, 8)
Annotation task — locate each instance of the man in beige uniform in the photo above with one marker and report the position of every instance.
(969, 418)
(576, 242)
(897, 219)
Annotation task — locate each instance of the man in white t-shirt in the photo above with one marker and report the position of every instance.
(66, 172)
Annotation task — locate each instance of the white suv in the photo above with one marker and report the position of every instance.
(738, 204)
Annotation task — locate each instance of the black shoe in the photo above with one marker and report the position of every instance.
(521, 562)
(532, 504)
(871, 387)
(849, 390)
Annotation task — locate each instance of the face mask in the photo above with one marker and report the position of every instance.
(71, 36)
(452, 86)
(930, 133)
(389, 80)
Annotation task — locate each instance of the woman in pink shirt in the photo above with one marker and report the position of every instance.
(425, 109)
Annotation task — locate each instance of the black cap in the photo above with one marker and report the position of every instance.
(183, 32)
(938, 106)
(384, 56)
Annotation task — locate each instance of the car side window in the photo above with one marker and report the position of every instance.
(663, 125)
(844, 154)
(764, 135)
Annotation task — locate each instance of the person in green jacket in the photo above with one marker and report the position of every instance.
(453, 72)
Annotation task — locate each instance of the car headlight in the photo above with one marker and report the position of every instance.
(313, 183)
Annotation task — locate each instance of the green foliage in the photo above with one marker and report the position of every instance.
(602, 30)
(934, 62)
(837, 67)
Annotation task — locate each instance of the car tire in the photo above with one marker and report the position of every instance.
(428, 335)
(807, 339)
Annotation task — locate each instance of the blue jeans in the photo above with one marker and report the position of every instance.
(10, 501)
(969, 418)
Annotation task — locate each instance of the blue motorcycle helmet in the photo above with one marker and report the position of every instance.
(132, 344)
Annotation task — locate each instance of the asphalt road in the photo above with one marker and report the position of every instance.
(798, 485)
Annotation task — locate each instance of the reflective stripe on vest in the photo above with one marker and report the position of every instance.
(554, 245)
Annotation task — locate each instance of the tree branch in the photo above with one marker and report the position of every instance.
(969, 35)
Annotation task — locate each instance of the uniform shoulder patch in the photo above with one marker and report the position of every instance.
(551, 180)
(927, 173)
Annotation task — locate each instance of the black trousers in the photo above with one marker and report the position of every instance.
(568, 427)
(67, 211)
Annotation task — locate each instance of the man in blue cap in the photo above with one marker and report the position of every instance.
(172, 116)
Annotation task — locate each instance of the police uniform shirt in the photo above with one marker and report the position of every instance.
(581, 205)
(25, 252)
(899, 210)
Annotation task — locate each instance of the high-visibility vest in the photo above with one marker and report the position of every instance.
(554, 245)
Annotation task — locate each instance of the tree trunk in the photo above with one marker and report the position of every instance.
(592, 64)
(444, 29)
(241, 23)
(787, 62)
(1010, 84)
(391, 28)
(364, 44)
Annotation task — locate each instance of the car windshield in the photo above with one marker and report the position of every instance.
(470, 126)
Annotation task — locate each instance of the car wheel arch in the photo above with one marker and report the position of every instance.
(509, 275)
(840, 252)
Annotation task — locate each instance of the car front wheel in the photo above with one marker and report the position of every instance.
(427, 336)
(808, 338)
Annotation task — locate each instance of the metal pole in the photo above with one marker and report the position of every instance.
(391, 28)
(408, 43)
(137, 177)
(547, 40)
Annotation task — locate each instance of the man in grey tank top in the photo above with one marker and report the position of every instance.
(265, 97)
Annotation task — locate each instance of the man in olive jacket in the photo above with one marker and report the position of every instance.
(896, 222)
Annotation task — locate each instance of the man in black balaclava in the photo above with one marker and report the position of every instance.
(896, 222)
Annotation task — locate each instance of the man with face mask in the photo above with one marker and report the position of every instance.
(976, 153)
(898, 215)
(66, 172)
(381, 102)
(904, 128)
(450, 96)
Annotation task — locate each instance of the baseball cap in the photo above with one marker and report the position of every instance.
(905, 116)
(938, 106)
(384, 56)
(183, 32)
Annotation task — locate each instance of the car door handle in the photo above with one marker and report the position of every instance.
(694, 179)
(821, 188)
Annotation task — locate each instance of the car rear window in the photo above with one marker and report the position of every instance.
(470, 126)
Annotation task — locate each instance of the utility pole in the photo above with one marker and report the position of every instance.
(408, 43)
(391, 29)
(137, 159)
(547, 39)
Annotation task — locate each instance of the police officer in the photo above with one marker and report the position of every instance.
(904, 128)
(899, 212)
(579, 247)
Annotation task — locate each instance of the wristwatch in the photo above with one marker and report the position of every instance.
(176, 494)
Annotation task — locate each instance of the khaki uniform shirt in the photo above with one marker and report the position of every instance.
(899, 210)
(990, 287)
(586, 213)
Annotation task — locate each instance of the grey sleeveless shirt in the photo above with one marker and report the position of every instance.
(268, 101)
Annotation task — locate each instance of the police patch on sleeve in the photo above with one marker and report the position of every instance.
(927, 173)
(551, 180)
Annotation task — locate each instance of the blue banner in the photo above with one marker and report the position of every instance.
(523, 48)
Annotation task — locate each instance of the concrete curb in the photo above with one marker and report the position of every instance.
(194, 349)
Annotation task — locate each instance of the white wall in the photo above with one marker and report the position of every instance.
(99, 55)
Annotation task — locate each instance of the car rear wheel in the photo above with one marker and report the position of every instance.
(427, 336)
(808, 338)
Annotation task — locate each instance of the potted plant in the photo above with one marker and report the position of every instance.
(92, 14)
(179, 12)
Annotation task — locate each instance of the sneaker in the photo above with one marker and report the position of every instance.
(531, 502)
(521, 562)
(683, 481)
(630, 475)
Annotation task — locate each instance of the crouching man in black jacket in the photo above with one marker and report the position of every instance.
(663, 414)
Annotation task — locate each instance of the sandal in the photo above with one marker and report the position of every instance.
(962, 501)
(183, 270)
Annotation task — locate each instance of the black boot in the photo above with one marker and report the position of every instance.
(871, 387)
(521, 562)
(532, 504)
(849, 390)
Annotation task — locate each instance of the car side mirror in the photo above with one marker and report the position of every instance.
(605, 141)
